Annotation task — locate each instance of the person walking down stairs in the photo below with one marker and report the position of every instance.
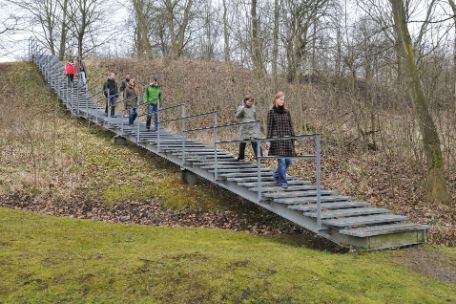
(70, 71)
(123, 87)
(110, 92)
(279, 126)
(131, 101)
(82, 72)
(247, 113)
(152, 97)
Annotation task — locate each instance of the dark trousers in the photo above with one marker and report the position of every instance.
(111, 102)
(132, 114)
(70, 78)
(242, 149)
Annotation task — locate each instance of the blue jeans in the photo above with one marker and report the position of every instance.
(152, 109)
(281, 171)
(112, 103)
(132, 114)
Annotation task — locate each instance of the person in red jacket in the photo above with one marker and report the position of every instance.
(70, 70)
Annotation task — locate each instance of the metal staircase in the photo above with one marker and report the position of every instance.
(338, 218)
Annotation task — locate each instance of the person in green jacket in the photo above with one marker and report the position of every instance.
(152, 97)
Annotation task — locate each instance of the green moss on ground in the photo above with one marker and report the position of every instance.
(59, 260)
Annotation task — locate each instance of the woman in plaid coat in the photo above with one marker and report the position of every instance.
(279, 126)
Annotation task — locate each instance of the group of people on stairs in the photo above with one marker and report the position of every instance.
(152, 98)
(279, 124)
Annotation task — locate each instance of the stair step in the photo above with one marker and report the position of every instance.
(290, 188)
(211, 163)
(332, 205)
(207, 153)
(250, 179)
(192, 158)
(365, 220)
(347, 212)
(293, 194)
(306, 200)
(273, 183)
(240, 170)
(246, 174)
(230, 166)
(192, 149)
(383, 229)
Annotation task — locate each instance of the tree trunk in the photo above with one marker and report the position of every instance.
(142, 30)
(256, 47)
(453, 8)
(226, 33)
(431, 143)
(180, 42)
(275, 45)
(64, 31)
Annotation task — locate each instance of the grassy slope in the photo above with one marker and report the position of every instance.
(55, 156)
(58, 260)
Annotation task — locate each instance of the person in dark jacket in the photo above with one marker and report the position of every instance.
(131, 101)
(279, 126)
(110, 92)
(247, 113)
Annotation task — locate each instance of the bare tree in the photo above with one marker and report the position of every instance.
(143, 10)
(86, 18)
(453, 8)
(176, 27)
(45, 14)
(302, 17)
(256, 41)
(63, 28)
(430, 138)
(275, 43)
(226, 33)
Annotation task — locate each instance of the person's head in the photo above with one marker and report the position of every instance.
(70, 60)
(112, 76)
(127, 77)
(279, 100)
(132, 83)
(154, 81)
(249, 101)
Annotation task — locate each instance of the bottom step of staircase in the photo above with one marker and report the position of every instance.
(385, 236)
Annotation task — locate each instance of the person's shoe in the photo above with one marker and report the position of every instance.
(239, 159)
(284, 186)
